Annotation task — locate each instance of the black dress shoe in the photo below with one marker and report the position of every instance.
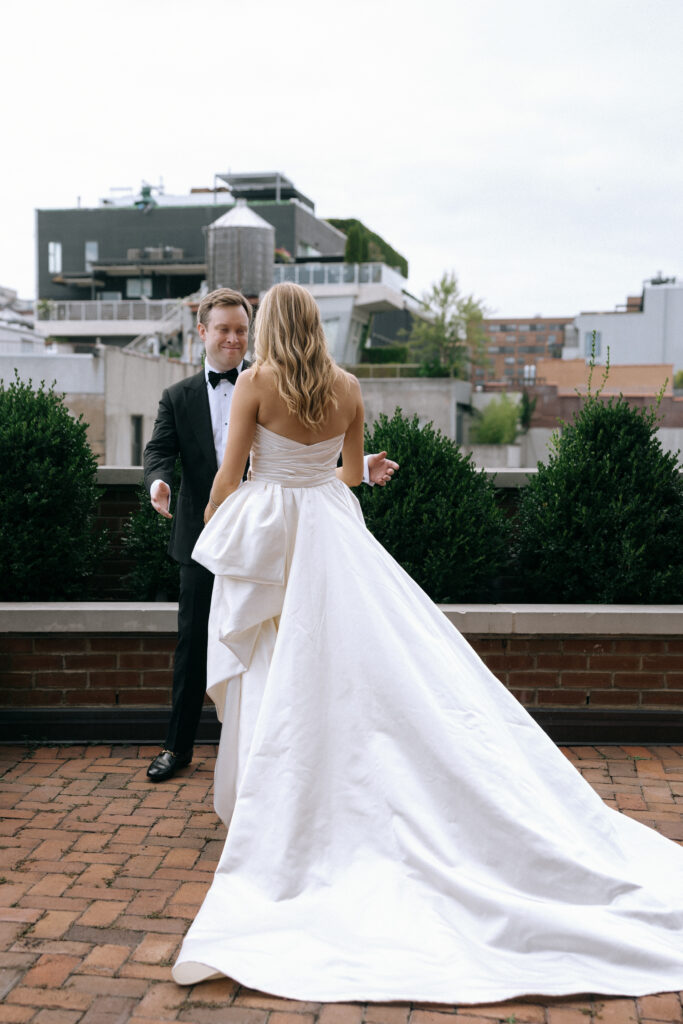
(166, 764)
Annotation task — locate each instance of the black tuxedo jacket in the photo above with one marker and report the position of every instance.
(183, 428)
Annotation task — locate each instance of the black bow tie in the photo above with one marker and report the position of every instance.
(230, 375)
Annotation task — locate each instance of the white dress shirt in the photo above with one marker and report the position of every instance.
(220, 400)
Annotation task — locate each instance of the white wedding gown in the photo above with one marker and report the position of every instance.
(399, 827)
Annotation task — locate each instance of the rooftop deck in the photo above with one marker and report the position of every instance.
(102, 873)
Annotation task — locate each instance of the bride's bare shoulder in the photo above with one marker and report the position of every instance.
(347, 382)
(258, 377)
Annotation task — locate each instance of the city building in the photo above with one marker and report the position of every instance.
(647, 329)
(17, 332)
(515, 345)
(132, 270)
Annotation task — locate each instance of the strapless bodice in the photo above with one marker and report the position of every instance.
(281, 460)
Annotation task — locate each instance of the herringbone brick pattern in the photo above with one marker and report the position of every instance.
(101, 873)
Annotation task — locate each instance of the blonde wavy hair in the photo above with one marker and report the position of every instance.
(289, 338)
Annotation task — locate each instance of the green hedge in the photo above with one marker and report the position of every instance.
(603, 520)
(439, 517)
(386, 354)
(146, 535)
(48, 497)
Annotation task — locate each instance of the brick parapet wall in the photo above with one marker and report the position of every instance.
(598, 672)
(115, 505)
(108, 670)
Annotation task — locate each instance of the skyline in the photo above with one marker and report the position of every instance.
(536, 151)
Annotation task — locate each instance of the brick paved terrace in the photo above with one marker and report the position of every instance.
(101, 873)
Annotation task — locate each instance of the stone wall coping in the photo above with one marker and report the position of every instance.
(109, 476)
(112, 476)
(493, 619)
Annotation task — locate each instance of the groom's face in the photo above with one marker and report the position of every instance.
(225, 336)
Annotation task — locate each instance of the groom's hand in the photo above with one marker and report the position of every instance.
(160, 496)
(381, 469)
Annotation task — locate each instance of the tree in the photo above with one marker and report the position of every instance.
(497, 424)
(451, 338)
(527, 407)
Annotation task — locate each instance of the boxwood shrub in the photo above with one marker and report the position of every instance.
(603, 520)
(439, 516)
(146, 534)
(48, 497)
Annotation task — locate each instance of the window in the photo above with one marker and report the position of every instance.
(588, 341)
(91, 254)
(54, 257)
(524, 327)
(551, 339)
(493, 349)
(136, 440)
(492, 328)
(139, 287)
(509, 360)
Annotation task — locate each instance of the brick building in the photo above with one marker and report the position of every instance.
(513, 347)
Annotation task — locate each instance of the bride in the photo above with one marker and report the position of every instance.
(399, 827)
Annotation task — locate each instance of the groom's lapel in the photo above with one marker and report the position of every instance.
(199, 415)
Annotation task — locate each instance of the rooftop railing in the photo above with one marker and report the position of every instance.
(101, 309)
(339, 273)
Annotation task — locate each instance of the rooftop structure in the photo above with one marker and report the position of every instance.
(126, 272)
(648, 329)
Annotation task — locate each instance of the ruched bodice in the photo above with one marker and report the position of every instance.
(281, 460)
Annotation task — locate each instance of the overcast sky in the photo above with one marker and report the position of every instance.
(534, 147)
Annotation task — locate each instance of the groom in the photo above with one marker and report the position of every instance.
(192, 422)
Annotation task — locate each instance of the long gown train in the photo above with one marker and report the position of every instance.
(399, 826)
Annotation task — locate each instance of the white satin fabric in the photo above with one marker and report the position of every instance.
(399, 827)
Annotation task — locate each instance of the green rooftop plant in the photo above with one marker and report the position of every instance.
(146, 535)
(603, 520)
(497, 423)
(439, 517)
(48, 496)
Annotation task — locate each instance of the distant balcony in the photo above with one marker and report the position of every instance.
(106, 310)
(309, 274)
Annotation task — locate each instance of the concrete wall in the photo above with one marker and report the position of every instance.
(440, 400)
(79, 378)
(107, 389)
(134, 384)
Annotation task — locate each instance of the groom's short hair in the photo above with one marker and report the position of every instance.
(222, 297)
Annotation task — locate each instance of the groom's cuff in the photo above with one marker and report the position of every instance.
(366, 471)
(160, 481)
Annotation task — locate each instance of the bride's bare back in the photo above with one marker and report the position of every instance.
(256, 400)
(274, 414)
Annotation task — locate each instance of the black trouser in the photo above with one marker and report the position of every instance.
(189, 665)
